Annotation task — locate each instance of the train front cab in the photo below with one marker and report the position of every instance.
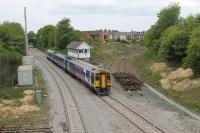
(102, 82)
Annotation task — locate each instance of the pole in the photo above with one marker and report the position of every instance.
(26, 36)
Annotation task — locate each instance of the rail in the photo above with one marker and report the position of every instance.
(70, 113)
(19, 128)
(132, 116)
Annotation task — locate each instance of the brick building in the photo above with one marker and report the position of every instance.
(103, 35)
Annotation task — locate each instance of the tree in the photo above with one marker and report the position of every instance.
(46, 37)
(32, 38)
(193, 53)
(12, 36)
(150, 40)
(174, 43)
(167, 17)
(66, 33)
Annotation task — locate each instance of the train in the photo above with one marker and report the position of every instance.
(98, 79)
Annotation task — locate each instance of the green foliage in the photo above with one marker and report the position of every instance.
(10, 57)
(175, 38)
(11, 50)
(193, 53)
(174, 43)
(190, 23)
(32, 38)
(66, 33)
(167, 17)
(12, 93)
(12, 36)
(46, 37)
(57, 36)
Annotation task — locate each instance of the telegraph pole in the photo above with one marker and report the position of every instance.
(26, 36)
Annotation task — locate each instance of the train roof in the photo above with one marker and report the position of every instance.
(87, 65)
(51, 51)
(78, 62)
(60, 55)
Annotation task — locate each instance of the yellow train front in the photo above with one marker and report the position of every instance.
(102, 82)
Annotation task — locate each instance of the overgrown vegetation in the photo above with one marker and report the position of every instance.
(11, 50)
(13, 97)
(108, 52)
(12, 37)
(190, 98)
(175, 38)
(141, 65)
(176, 41)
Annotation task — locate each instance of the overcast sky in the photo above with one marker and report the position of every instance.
(124, 15)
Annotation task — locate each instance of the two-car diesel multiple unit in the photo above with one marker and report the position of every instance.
(97, 78)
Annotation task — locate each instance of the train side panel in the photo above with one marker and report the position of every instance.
(59, 61)
(50, 55)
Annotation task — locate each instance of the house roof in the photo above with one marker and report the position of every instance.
(76, 44)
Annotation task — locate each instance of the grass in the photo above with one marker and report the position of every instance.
(141, 65)
(39, 118)
(107, 53)
(188, 98)
(12, 93)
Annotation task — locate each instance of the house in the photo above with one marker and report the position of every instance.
(98, 35)
(103, 35)
(80, 50)
(133, 35)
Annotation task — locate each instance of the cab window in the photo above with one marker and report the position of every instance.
(97, 77)
(108, 77)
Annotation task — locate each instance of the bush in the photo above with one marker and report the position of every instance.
(167, 17)
(193, 53)
(174, 43)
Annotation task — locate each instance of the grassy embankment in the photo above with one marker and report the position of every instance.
(105, 54)
(13, 109)
(190, 98)
(9, 61)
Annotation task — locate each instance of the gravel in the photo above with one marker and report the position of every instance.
(55, 102)
(100, 118)
(165, 115)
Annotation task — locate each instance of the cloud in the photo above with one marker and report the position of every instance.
(91, 14)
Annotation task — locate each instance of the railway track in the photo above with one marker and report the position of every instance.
(73, 116)
(19, 128)
(132, 116)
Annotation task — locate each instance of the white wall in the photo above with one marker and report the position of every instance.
(85, 55)
(80, 54)
(73, 53)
